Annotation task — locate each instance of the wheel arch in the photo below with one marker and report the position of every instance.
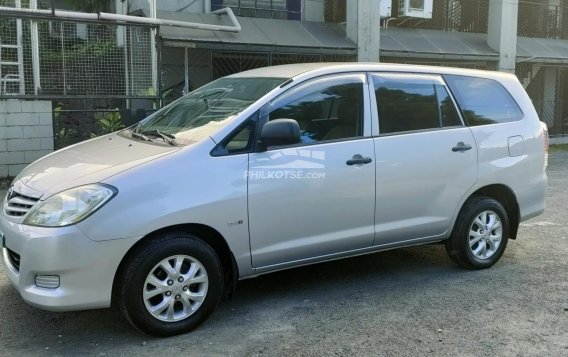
(209, 235)
(504, 195)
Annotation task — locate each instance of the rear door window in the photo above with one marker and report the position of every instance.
(483, 101)
(413, 102)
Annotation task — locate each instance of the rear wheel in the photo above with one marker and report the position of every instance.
(170, 284)
(480, 234)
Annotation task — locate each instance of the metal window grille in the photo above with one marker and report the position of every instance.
(483, 65)
(449, 15)
(538, 19)
(561, 104)
(206, 65)
(225, 63)
(548, 99)
(274, 9)
(335, 10)
(289, 58)
(229, 62)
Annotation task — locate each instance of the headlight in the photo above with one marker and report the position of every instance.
(71, 206)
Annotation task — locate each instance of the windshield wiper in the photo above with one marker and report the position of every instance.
(140, 136)
(168, 138)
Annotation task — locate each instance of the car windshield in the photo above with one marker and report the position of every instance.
(203, 111)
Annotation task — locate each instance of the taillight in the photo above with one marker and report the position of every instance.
(545, 134)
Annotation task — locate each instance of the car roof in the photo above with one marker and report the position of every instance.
(294, 70)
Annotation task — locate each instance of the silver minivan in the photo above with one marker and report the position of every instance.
(271, 169)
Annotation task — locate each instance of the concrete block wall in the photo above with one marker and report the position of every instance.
(26, 133)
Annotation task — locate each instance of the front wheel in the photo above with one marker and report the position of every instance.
(170, 284)
(480, 234)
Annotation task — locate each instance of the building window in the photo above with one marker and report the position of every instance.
(272, 9)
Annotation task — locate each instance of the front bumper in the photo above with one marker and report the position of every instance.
(86, 268)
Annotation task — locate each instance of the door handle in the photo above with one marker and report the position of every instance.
(359, 160)
(461, 147)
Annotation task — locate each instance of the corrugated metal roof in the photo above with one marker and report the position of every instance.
(542, 50)
(406, 42)
(402, 42)
(259, 32)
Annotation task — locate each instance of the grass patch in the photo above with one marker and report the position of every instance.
(558, 147)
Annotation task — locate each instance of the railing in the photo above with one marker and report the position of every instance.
(448, 15)
(542, 20)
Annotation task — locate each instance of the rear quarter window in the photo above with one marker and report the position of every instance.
(483, 101)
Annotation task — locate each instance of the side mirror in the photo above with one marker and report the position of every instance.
(280, 132)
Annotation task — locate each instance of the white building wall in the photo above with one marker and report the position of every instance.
(26, 134)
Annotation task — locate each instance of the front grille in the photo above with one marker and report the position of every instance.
(18, 205)
(14, 259)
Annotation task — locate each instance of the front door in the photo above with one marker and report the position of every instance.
(316, 198)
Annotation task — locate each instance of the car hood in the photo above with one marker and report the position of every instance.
(88, 162)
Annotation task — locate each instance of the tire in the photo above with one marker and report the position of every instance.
(194, 270)
(470, 239)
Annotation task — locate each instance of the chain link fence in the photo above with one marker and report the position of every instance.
(94, 73)
(76, 59)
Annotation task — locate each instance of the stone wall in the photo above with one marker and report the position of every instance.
(26, 133)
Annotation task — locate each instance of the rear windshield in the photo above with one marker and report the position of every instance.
(483, 101)
(203, 111)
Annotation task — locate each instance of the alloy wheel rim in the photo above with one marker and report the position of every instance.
(175, 288)
(485, 235)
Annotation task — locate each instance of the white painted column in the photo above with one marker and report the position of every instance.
(153, 33)
(363, 27)
(35, 50)
(20, 49)
(502, 32)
